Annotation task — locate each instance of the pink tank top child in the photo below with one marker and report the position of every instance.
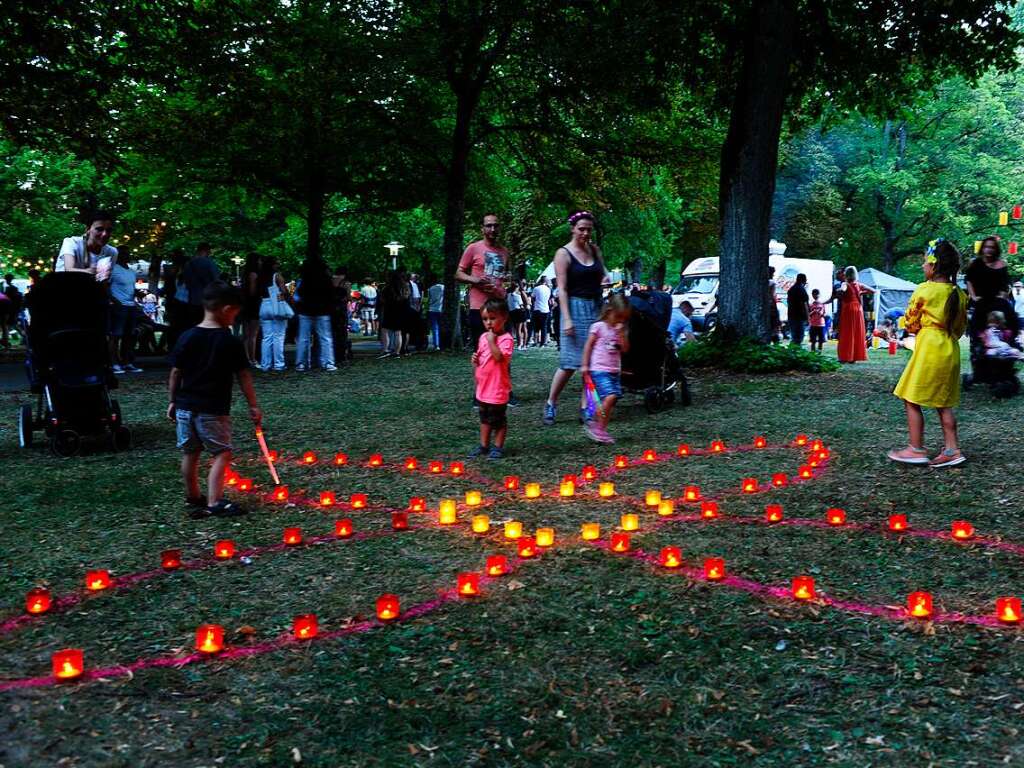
(606, 354)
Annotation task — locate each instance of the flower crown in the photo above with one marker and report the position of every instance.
(580, 215)
(930, 251)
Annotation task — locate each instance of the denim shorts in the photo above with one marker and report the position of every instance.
(607, 383)
(197, 431)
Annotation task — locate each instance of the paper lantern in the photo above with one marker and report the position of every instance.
(481, 523)
(411, 463)
(68, 663)
(717, 446)
(823, 454)
(467, 584)
(803, 587)
(527, 546)
(457, 468)
(570, 479)
(806, 472)
(210, 638)
(779, 479)
(1012, 248)
(1017, 211)
(749, 485)
(511, 483)
(224, 549)
(327, 498)
(606, 490)
(817, 445)
(620, 541)
(567, 489)
(773, 513)
(666, 508)
(683, 450)
(652, 498)
(800, 440)
(245, 484)
(357, 500)
(545, 537)
(670, 557)
(474, 498)
(898, 523)
(621, 462)
(629, 522)
(1004, 218)
(305, 627)
(590, 531)
(170, 559)
(650, 455)
(709, 510)
(98, 580)
(38, 600)
(691, 493)
(977, 246)
(309, 457)
(231, 477)
(280, 493)
(447, 514)
(836, 517)
(340, 459)
(417, 504)
(961, 529)
(589, 472)
(435, 467)
(760, 441)
(513, 529)
(387, 607)
(400, 521)
(292, 536)
(1008, 609)
(376, 460)
(532, 490)
(497, 565)
(812, 462)
(714, 568)
(919, 605)
(343, 528)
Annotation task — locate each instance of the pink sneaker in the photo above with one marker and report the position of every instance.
(593, 430)
(603, 436)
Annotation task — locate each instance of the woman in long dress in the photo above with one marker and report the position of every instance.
(852, 332)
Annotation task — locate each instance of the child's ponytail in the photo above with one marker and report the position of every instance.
(947, 263)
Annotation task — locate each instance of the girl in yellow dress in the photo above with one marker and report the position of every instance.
(938, 315)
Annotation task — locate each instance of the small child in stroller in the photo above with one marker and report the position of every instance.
(997, 338)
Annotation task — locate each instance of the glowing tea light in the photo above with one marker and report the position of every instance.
(245, 484)
(292, 536)
(621, 462)
(800, 440)
(224, 549)
(417, 504)
(447, 513)
(717, 446)
(435, 467)
(919, 605)
(527, 547)
(68, 663)
(545, 537)
(570, 479)
(411, 463)
(305, 627)
(96, 581)
(836, 517)
(357, 500)
(709, 510)
(760, 441)
(749, 485)
(817, 445)
(388, 607)
(806, 472)
(274, 456)
(481, 523)
(457, 468)
(497, 565)
(590, 531)
(773, 513)
(780, 479)
(606, 490)
(620, 542)
(400, 521)
(170, 559)
(210, 638)
(309, 457)
(630, 522)
(692, 493)
(327, 499)
(666, 508)
(961, 529)
(511, 482)
(343, 528)
(376, 460)
(823, 454)
(513, 529)
(670, 557)
(589, 472)
(898, 523)
(474, 498)
(280, 493)
(714, 568)
(652, 498)
(803, 587)
(567, 489)
(38, 600)
(467, 584)
(683, 450)
(813, 462)
(230, 478)
(532, 490)
(1008, 609)
(340, 459)
(650, 455)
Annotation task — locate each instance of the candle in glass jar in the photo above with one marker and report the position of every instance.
(527, 546)
(760, 441)
(620, 541)
(545, 537)
(691, 493)
(343, 528)
(803, 587)
(709, 509)
(513, 529)
(97, 580)
(481, 523)
(305, 627)
(779, 479)
(919, 605)
(683, 450)
(224, 549)
(590, 531)
(280, 493)
(417, 504)
(474, 498)
(898, 523)
(327, 498)
(606, 490)
(68, 663)
(210, 638)
(773, 513)
(511, 483)
(671, 557)
(497, 565)
(629, 522)
(467, 584)
(38, 600)
(1008, 610)
(400, 520)
(652, 498)
(376, 460)
(666, 508)
(170, 559)
(387, 607)
(714, 568)
(567, 489)
(292, 536)
(532, 490)
(447, 513)
(340, 459)
(357, 500)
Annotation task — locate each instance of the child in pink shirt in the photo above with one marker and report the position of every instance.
(602, 362)
(493, 380)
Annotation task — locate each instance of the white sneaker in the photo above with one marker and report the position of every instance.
(132, 368)
(118, 369)
(330, 367)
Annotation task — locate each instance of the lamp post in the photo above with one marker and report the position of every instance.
(237, 261)
(393, 248)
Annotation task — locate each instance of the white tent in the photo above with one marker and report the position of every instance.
(890, 292)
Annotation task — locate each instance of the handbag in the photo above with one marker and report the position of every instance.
(274, 307)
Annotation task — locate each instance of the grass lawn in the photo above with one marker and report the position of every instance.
(580, 657)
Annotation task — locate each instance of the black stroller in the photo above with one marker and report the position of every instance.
(999, 374)
(651, 366)
(68, 366)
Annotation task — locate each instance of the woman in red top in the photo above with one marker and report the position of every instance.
(852, 333)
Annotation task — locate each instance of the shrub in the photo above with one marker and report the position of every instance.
(749, 356)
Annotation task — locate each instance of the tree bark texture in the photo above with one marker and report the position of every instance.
(455, 215)
(314, 215)
(750, 157)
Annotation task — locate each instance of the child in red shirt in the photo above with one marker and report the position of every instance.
(493, 380)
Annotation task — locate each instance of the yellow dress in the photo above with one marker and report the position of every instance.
(932, 377)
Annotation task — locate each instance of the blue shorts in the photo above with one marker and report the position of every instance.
(607, 383)
(197, 431)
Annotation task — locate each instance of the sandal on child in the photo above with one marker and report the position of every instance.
(225, 508)
(909, 455)
(949, 457)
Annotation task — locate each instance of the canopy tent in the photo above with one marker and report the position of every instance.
(890, 292)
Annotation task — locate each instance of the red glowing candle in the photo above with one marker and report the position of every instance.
(962, 530)
(327, 498)
(68, 663)
(400, 521)
(340, 459)
(817, 445)
(96, 581)
(387, 607)
(292, 536)
(357, 500)
(280, 493)
(170, 559)
(1008, 609)
(245, 484)
(274, 456)
(621, 462)
(749, 485)
(411, 463)
(468, 584)
(714, 568)
(803, 587)
(305, 627)
(309, 457)
(650, 455)
(1017, 211)
(671, 557)
(691, 493)
(898, 523)
(800, 440)
(773, 513)
(620, 541)
(813, 462)
(760, 442)
(224, 549)
(38, 600)
(417, 504)
(497, 565)
(835, 517)
(919, 605)
(376, 460)
(779, 479)
(1012, 249)
(511, 482)
(709, 509)
(589, 472)
(343, 528)
(683, 450)
(435, 467)
(823, 454)
(230, 477)
(570, 479)
(527, 546)
(457, 468)
(209, 638)
(717, 446)
(806, 472)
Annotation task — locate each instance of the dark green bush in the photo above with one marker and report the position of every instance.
(748, 356)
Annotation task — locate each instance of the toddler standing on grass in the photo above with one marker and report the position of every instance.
(491, 360)
(817, 321)
(602, 362)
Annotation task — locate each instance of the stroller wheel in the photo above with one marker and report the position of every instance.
(121, 439)
(652, 399)
(66, 443)
(684, 392)
(25, 426)
(668, 396)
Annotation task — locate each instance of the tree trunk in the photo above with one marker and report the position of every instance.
(315, 215)
(658, 276)
(888, 247)
(455, 215)
(750, 158)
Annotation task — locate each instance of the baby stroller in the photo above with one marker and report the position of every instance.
(651, 366)
(997, 373)
(68, 366)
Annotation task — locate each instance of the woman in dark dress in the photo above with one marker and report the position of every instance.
(250, 315)
(988, 284)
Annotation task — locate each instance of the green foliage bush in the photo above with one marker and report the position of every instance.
(748, 356)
